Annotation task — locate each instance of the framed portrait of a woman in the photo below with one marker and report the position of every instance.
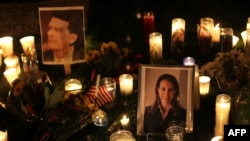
(165, 96)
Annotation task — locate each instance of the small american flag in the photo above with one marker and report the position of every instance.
(103, 96)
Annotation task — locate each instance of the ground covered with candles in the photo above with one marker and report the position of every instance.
(98, 99)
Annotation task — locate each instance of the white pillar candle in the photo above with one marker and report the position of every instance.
(3, 136)
(126, 84)
(6, 43)
(235, 40)
(124, 121)
(177, 34)
(204, 84)
(155, 46)
(28, 45)
(222, 109)
(217, 138)
(243, 35)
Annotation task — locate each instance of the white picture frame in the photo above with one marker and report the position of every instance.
(148, 75)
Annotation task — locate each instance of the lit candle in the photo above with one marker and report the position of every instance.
(204, 82)
(126, 84)
(216, 35)
(217, 138)
(100, 118)
(110, 84)
(235, 40)
(11, 61)
(188, 61)
(178, 34)
(73, 85)
(222, 109)
(205, 31)
(11, 75)
(149, 24)
(243, 35)
(3, 136)
(1, 56)
(6, 43)
(124, 121)
(155, 46)
(226, 39)
(28, 45)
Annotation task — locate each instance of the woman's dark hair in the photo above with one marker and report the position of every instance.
(173, 80)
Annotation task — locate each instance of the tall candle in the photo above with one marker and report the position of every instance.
(73, 84)
(205, 33)
(222, 109)
(126, 84)
(3, 136)
(149, 24)
(178, 35)
(155, 46)
(6, 43)
(11, 75)
(28, 45)
(226, 39)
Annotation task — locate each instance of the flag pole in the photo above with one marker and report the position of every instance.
(97, 85)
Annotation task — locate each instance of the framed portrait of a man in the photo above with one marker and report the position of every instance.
(62, 34)
(165, 96)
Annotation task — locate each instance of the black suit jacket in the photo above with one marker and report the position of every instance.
(154, 123)
(78, 54)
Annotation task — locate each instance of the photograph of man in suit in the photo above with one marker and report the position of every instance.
(63, 40)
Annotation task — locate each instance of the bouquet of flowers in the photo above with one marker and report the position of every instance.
(230, 69)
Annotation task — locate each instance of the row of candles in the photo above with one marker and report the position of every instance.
(11, 61)
(223, 101)
(207, 35)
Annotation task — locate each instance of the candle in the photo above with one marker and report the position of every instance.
(122, 135)
(247, 46)
(196, 88)
(188, 61)
(100, 118)
(110, 84)
(6, 43)
(204, 82)
(124, 121)
(149, 24)
(178, 35)
(243, 35)
(226, 39)
(3, 136)
(155, 46)
(126, 84)
(235, 40)
(216, 35)
(28, 45)
(73, 85)
(11, 75)
(222, 108)
(205, 30)
(217, 138)
(11, 61)
(1, 56)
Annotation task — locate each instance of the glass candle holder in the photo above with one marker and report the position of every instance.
(178, 35)
(6, 43)
(149, 24)
(155, 46)
(222, 109)
(126, 84)
(175, 131)
(28, 45)
(122, 135)
(204, 84)
(226, 39)
(205, 34)
(110, 84)
(100, 118)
